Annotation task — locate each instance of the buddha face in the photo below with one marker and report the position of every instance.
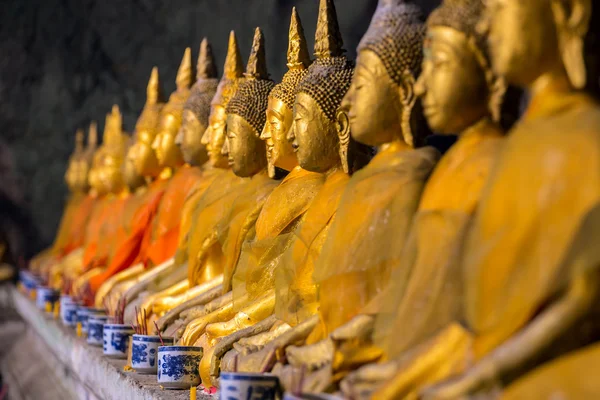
(71, 175)
(82, 169)
(373, 102)
(167, 152)
(132, 179)
(452, 84)
(144, 158)
(215, 135)
(523, 39)
(280, 152)
(95, 182)
(109, 174)
(189, 139)
(245, 151)
(313, 136)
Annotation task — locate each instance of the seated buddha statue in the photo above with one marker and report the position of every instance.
(140, 170)
(315, 138)
(106, 214)
(160, 240)
(70, 233)
(212, 136)
(528, 282)
(246, 154)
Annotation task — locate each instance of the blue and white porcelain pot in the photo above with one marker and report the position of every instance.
(144, 352)
(84, 313)
(115, 339)
(178, 366)
(242, 385)
(95, 329)
(45, 295)
(68, 311)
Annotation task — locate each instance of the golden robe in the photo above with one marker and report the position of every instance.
(367, 237)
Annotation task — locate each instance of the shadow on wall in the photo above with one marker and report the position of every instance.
(65, 62)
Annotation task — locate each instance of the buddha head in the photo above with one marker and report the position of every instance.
(281, 102)
(456, 84)
(381, 101)
(168, 153)
(109, 167)
(246, 114)
(71, 178)
(83, 163)
(143, 155)
(314, 134)
(197, 108)
(529, 39)
(216, 133)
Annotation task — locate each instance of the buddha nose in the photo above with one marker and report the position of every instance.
(291, 135)
(265, 134)
(179, 137)
(225, 148)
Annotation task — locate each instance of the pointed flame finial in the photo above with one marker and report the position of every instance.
(78, 142)
(184, 74)
(297, 54)
(92, 142)
(257, 63)
(206, 68)
(234, 67)
(328, 39)
(153, 88)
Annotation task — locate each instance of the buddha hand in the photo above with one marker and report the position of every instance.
(482, 375)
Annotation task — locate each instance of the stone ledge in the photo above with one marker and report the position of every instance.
(94, 375)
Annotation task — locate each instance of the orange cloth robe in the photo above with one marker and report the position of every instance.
(160, 241)
(137, 216)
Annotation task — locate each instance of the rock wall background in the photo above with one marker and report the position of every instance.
(65, 62)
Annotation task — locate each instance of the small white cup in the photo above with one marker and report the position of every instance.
(45, 295)
(68, 311)
(116, 339)
(144, 352)
(84, 314)
(178, 366)
(95, 326)
(242, 385)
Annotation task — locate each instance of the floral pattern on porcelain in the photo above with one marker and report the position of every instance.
(175, 367)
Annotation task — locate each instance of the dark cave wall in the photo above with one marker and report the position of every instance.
(64, 62)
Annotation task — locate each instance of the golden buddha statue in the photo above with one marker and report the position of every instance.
(527, 265)
(247, 156)
(218, 179)
(100, 234)
(67, 236)
(141, 158)
(161, 238)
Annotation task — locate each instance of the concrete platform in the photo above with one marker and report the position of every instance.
(42, 359)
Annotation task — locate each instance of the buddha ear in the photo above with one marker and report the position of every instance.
(572, 18)
(407, 100)
(342, 125)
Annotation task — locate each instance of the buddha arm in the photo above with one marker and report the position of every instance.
(515, 352)
(256, 311)
(210, 365)
(153, 276)
(203, 296)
